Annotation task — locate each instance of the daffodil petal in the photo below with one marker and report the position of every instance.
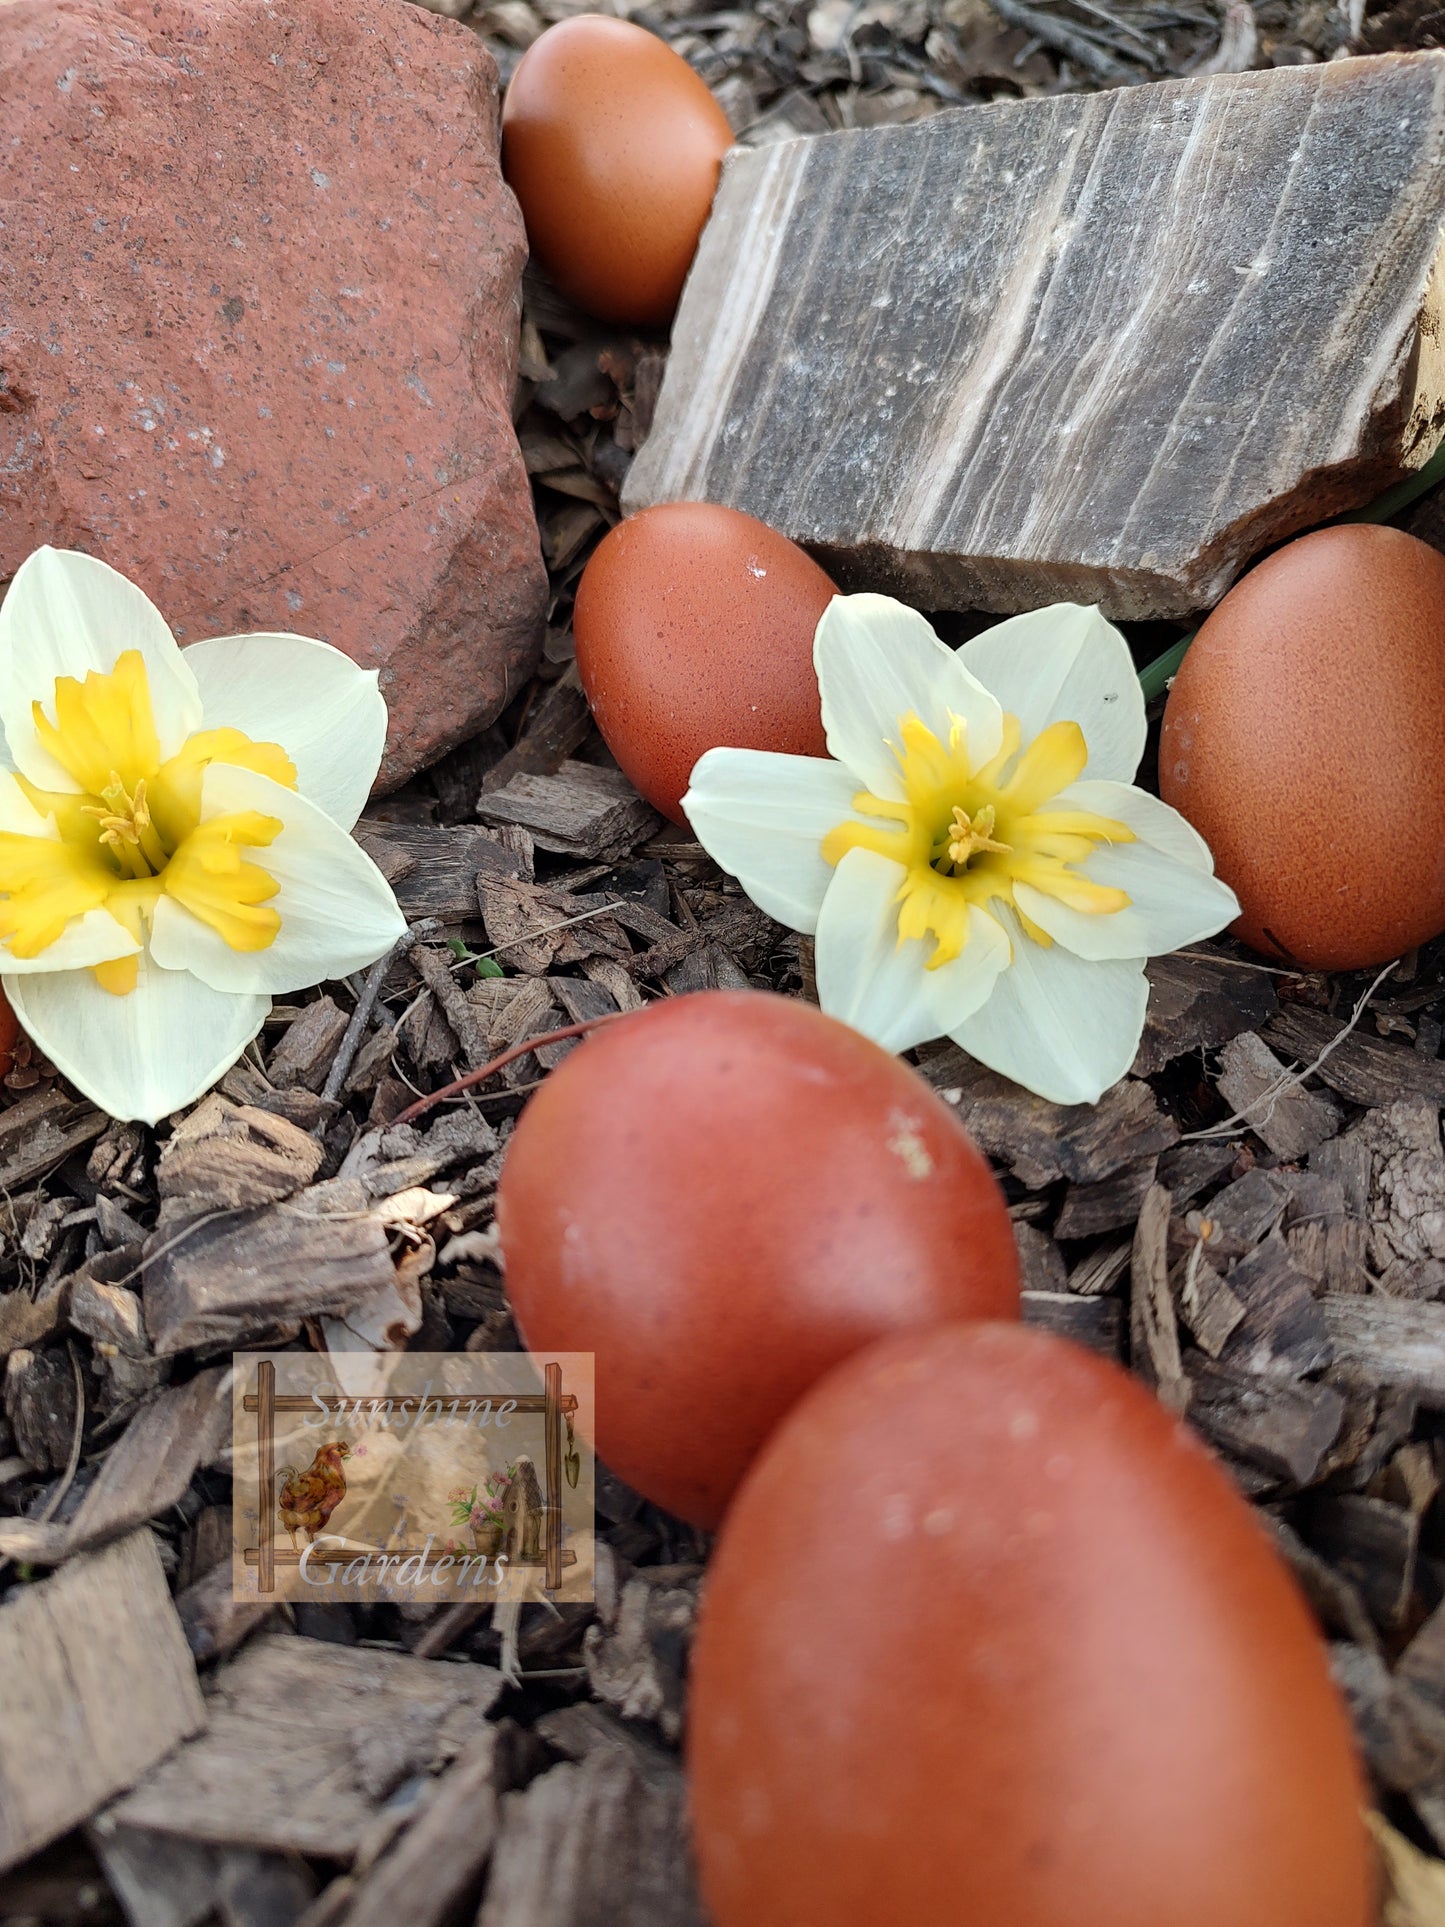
(764, 817)
(337, 910)
(18, 815)
(325, 712)
(1151, 821)
(879, 661)
(1061, 1027)
(143, 1055)
(1045, 765)
(1170, 904)
(866, 977)
(66, 614)
(94, 938)
(1066, 664)
(957, 989)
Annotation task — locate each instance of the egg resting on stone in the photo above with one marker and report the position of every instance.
(612, 145)
(1304, 738)
(989, 1638)
(694, 627)
(721, 1196)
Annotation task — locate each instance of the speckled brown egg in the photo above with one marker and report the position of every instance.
(612, 145)
(1305, 740)
(695, 630)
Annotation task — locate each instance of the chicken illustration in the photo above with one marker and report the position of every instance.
(306, 1500)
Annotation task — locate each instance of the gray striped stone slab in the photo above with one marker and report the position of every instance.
(1102, 348)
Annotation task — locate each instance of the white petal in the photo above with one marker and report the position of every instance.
(327, 714)
(1061, 1027)
(866, 977)
(1066, 664)
(764, 817)
(95, 938)
(66, 614)
(879, 661)
(1169, 873)
(1151, 821)
(1170, 904)
(143, 1055)
(882, 987)
(957, 989)
(337, 911)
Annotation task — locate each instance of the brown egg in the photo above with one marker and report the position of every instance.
(1305, 740)
(9, 1035)
(989, 1638)
(722, 1196)
(612, 145)
(694, 629)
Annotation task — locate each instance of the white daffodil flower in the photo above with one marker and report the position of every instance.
(174, 843)
(974, 862)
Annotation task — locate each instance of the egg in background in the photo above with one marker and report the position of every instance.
(612, 146)
(989, 1638)
(1304, 738)
(694, 627)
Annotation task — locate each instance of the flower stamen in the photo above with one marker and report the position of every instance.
(126, 828)
(967, 838)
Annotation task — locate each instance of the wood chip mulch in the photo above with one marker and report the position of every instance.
(1254, 1222)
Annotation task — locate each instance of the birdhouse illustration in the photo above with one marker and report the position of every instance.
(522, 1515)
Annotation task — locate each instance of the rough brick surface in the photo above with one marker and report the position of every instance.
(258, 321)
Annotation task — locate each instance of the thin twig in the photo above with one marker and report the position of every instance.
(547, 929)
(1123, 27)
(514, 943)
(1283, 1083)
(448, 1625)
(186, 1231)
(460, 1084)
(401, 1075)
(1240, 963)
(365, 1004)
(1077, 42)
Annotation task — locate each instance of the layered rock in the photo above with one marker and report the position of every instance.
(1100, 348)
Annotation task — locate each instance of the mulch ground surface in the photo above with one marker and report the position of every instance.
(1254, 1221)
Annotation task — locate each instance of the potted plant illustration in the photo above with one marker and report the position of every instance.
(480, 1511)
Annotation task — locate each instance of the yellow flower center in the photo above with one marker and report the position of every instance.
(134, 834)
(965, 839)
(126, 828)
(967, 836)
